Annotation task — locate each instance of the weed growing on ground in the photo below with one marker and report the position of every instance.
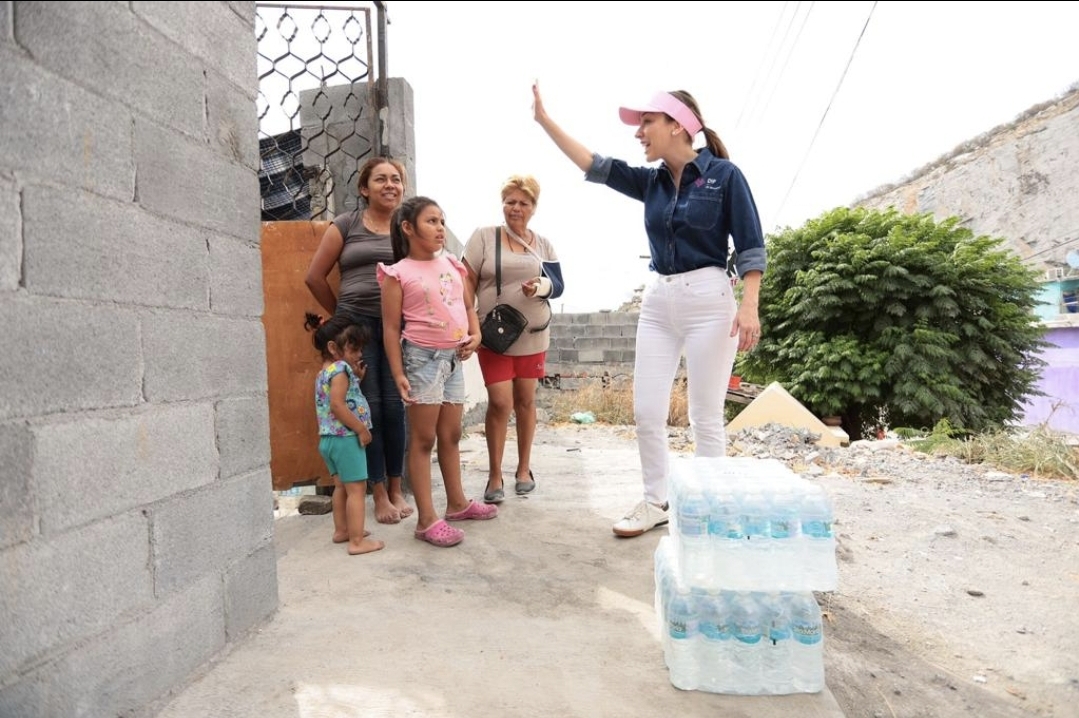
(612, 404)
(1039, 451)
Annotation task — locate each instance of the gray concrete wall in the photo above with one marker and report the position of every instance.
(135, 500)
(1017, 181)
(588, 345)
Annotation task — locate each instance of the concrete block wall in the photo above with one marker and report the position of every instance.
(588, 345)
(136, 509)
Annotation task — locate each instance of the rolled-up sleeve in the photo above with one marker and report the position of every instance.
(619, 176)
(600, 169)
(745, 225)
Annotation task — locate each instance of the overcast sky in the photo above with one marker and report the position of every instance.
(818, 103)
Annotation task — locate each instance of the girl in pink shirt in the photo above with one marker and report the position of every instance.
(429, 328)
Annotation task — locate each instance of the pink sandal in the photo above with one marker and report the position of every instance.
(475, 511)
(442, 534)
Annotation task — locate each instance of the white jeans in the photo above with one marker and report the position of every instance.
(693, 311)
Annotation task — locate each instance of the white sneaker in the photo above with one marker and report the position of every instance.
(645, 516)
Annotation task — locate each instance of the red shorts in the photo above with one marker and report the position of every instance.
(499, 367)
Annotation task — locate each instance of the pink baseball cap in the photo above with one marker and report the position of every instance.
(666, 103)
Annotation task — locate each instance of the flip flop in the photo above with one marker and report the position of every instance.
(475, 511)
(442, 534)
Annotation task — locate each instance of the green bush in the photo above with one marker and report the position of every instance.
(892, 319)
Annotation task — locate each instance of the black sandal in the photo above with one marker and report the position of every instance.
(494, 496)
(525, 487)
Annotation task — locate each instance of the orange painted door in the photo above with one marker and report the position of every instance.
(291, 360)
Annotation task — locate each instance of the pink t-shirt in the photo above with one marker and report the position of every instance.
(433, 300)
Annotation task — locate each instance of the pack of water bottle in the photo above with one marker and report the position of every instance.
(737, 642)
(745, 524)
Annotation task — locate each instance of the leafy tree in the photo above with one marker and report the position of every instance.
(886, 318)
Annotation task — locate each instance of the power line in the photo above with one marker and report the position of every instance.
(820, 124)
(1054, 248)
(786, 61)
(757, 75)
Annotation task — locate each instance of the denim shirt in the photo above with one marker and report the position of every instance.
(689, 228)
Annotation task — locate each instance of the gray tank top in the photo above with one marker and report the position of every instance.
(363, 250)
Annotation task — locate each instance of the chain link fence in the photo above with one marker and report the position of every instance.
(318, 99)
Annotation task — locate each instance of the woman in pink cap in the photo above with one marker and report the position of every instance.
(695, 202)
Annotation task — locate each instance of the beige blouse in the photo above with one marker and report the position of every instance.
(517, 268)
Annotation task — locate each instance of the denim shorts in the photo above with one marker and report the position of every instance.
(435, 375)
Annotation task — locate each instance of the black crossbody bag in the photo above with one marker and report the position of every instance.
(504, 324)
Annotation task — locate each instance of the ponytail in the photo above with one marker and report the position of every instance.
(715, 145)
(407, 211)
(337, 329)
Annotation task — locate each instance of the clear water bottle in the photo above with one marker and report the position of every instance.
(664, 575)
(682, 631)
(818, 541)
(785, 530)
(713, 646)
(725, 536)
(756, 512)
(776, 655)
(745, 644)
(695, 557)
(807, 646)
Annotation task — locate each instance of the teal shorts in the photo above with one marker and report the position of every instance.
(344, 457)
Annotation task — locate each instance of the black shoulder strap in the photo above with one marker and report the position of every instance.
(498, 261)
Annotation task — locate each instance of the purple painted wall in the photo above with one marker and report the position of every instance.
(1060, 382)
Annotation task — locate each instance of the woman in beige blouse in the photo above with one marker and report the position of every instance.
(511, 378)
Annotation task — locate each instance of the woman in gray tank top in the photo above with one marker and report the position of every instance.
(356, 242)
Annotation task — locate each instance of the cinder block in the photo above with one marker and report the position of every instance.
(71, 587)
(612, 356)
(177, 174)
(122, 670)
(44, 138)
(123, 253)
(17, 516)
(11, 240)
(341, 107)
(246, 10)
(251, 592)
(225, 39)
(6, 31)
(586, 344)
(232, 123)
(130, 459)
(235, 277)
(243, 435)
(400, 125)
(94, 350)
(197, 357)
(107, 49)
(209, 531)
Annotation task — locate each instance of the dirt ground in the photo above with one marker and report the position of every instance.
(958, 596)
(958, 585)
